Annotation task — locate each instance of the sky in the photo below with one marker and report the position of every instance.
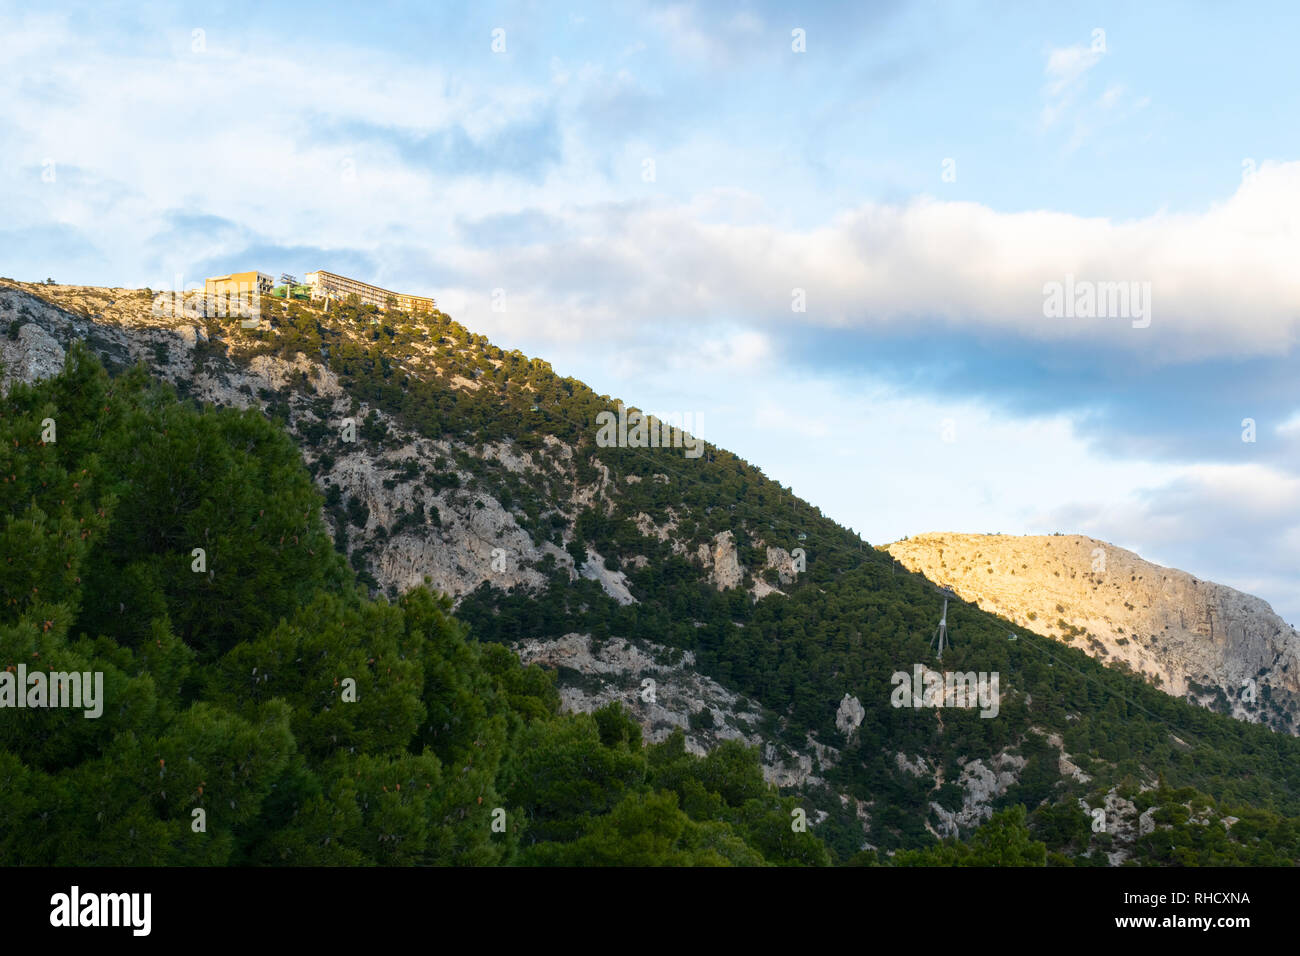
(840, 236)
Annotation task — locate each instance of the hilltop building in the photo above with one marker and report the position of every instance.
(327, 285)
(239, 283)
(236, 294)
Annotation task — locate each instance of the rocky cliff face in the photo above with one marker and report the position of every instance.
(662, 688)
(1193, 638)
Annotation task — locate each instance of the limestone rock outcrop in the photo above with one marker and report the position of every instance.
(1193, 638)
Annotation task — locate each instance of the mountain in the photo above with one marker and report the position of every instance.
(722, 614)
(415, 505)
(1209, 643)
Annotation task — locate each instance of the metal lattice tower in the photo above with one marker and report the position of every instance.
(940, 639)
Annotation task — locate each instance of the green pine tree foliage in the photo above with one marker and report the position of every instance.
(1004, 840)
(262, 709)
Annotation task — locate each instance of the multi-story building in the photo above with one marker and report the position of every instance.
(239, 283)
(327, 285)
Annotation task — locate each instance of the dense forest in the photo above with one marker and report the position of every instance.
(226, 687)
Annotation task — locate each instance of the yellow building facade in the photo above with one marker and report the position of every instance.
(239, 283)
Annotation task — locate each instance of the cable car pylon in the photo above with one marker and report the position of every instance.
(940, 639)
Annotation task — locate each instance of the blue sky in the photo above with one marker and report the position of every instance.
(649, 184)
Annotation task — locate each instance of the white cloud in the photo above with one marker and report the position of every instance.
(1292, 424)
(679, 25)
(1066, 66)
(1065, 95)
(707, 36)
(1223, 281)
(1066, 70)
(744, 351)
